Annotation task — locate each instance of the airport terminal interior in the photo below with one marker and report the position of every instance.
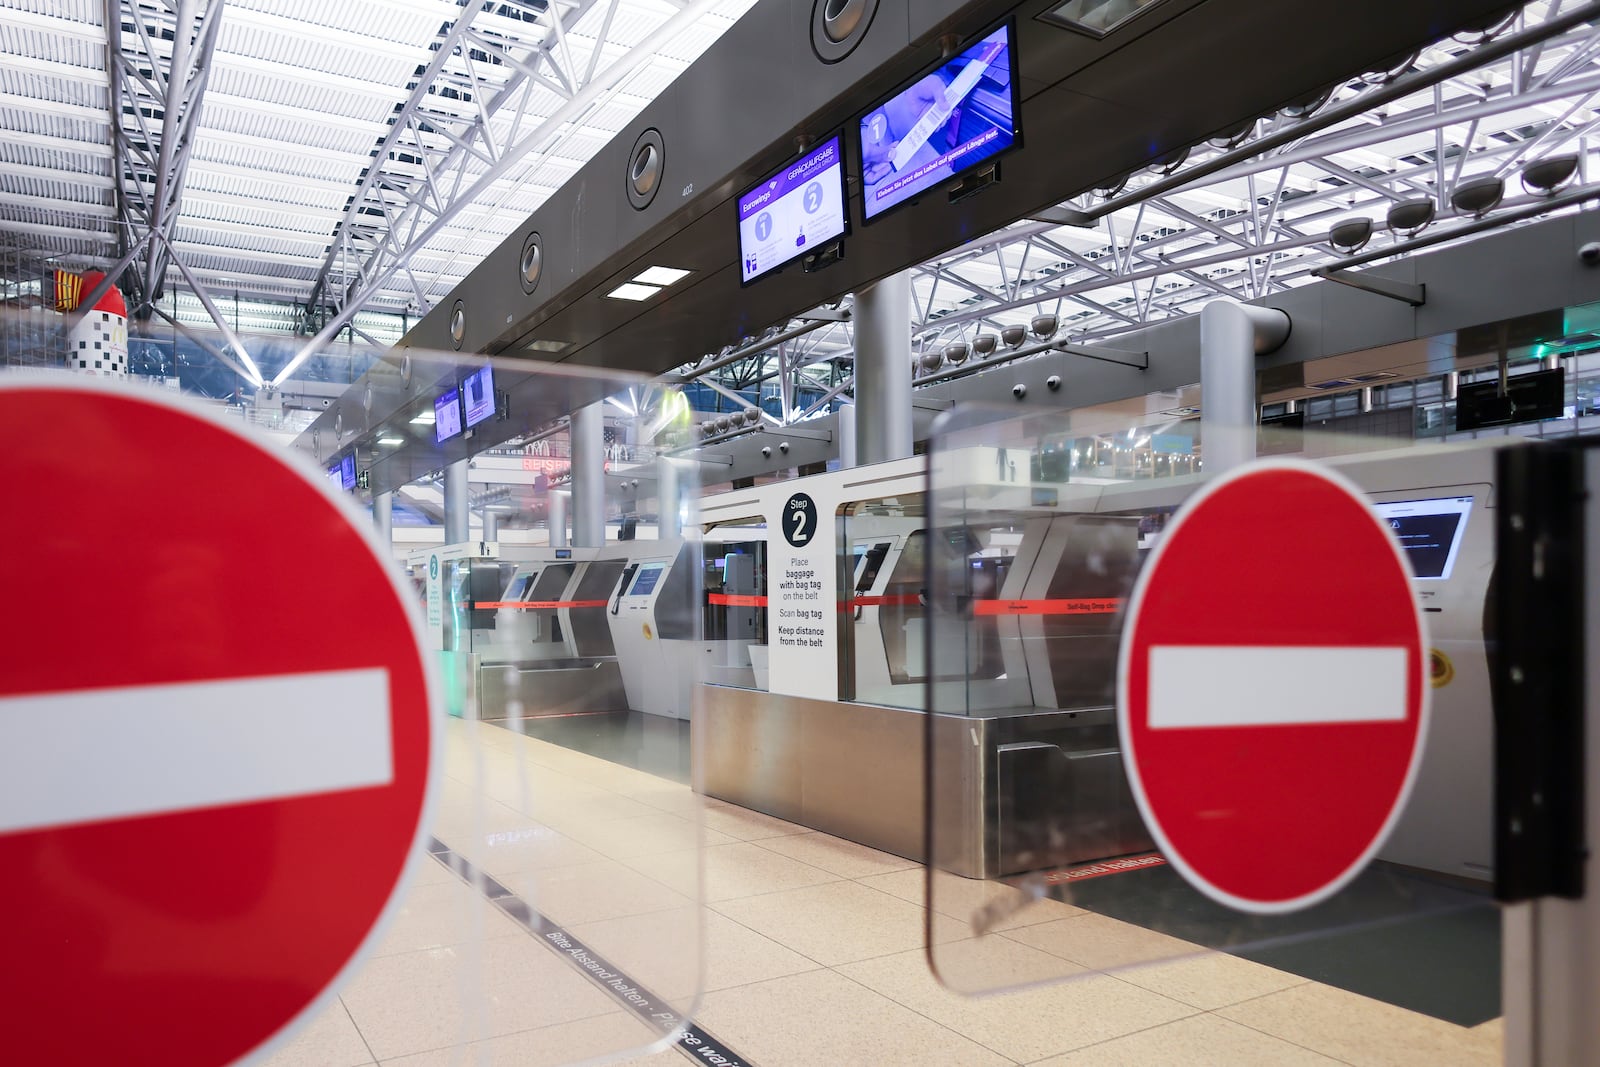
(786, 532)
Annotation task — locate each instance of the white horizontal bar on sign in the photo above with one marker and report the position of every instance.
(1194, 686)
(96, 754)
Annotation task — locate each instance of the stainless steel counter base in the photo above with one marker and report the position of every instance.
(550, 687)
(1034, 790)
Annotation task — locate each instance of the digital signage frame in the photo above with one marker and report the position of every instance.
(936, 128)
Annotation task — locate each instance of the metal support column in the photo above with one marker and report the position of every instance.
(457, 522)
(882, 410)
(491, 525)
(557, 519)
(383, 518)
(1231, 336)
(847, 438)
(669, 500)
(589, 477)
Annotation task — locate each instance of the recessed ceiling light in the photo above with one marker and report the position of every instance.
(548, 346)
(391, 440)
(425, 418)
(663, 276)
(631, 291)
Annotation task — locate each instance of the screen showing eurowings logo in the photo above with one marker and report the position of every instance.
(944, 125)
(795, 211)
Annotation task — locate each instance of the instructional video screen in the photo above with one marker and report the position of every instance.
(447, 415)
(950, 121)
(1430, 531)
(478, 391)
(796, 210)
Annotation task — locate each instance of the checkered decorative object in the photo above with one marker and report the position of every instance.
(99, 346)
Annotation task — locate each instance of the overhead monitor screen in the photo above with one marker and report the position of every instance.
(1430, 531)
(944, 125)
(792, 212)
(335, 474)
(447, 415)
(347, 472)
(645, 584)
(477, 394)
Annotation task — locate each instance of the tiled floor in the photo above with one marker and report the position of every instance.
(813, 950)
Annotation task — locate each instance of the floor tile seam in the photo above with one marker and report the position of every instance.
(1280, 1037)
(1117, 1037)
(820, 966)
(830, 878)
(373, 1056)
(819, 833)
(482, 1038)
(922, 1014)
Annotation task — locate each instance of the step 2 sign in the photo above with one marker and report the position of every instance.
(1273, 689)
(217, 734)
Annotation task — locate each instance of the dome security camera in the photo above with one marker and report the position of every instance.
(1589, 254)
(766, 452)
(1019, 390)
(1053, 383)
(783, 446)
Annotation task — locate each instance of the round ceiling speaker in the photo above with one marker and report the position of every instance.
(458, 323)
(837, 26)
(646, 167)
(531, 264)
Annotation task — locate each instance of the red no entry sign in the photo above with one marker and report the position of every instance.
(1272, 690)
(215, 732)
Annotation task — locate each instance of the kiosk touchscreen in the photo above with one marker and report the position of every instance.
(1429, 531)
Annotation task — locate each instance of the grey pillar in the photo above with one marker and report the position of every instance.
(491, 525)
(669, 499)
(883, 370)
(457, 524)
(1231, 336)
(847, 438)
(383, 519)
(589, 476)
(557, 519)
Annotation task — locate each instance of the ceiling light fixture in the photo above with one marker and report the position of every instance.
(425, 418)
(633, 291)
(391, 441)
(663, 276)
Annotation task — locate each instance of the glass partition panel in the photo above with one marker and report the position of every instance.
(550, 902)
(1053, 855)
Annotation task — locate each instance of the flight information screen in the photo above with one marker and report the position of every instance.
(1430, 531)
(942, 126)
(795, 211)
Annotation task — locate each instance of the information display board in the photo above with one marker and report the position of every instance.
(797, 210)
(943, 125)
